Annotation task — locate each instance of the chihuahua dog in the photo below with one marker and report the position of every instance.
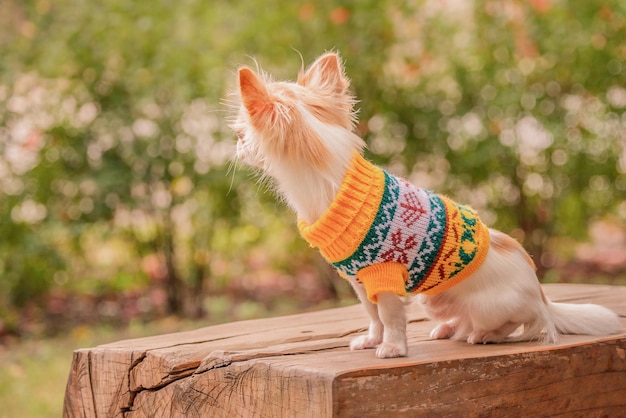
(389, 238)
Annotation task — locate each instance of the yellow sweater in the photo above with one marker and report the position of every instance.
(395, 237)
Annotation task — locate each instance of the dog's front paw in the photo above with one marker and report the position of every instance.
(364, 342)
(389, 350)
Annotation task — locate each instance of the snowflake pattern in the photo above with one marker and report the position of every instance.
(411, 227)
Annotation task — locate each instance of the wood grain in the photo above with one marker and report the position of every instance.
(300, 366)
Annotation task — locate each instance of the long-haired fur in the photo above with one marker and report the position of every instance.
(301, 135)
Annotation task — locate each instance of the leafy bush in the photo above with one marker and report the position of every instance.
(115, 147)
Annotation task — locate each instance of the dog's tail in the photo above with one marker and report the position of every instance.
(589, 319)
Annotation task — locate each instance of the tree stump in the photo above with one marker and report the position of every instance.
(301, 366)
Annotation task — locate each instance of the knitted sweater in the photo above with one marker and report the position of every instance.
(395, 237)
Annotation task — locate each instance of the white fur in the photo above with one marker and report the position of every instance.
(501, 301)
(307, 190)
(504, 294)
(590, 319)
(492, 303)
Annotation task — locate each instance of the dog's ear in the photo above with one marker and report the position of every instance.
(254, 95)
(326, 73)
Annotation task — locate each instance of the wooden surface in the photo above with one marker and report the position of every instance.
(300, 366)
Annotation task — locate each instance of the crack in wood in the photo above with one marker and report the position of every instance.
(132, 393)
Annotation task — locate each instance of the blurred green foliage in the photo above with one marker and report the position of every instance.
(114, 171)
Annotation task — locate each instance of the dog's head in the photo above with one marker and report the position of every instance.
(302, 122)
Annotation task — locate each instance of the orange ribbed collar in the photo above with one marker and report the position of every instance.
(345, 224)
